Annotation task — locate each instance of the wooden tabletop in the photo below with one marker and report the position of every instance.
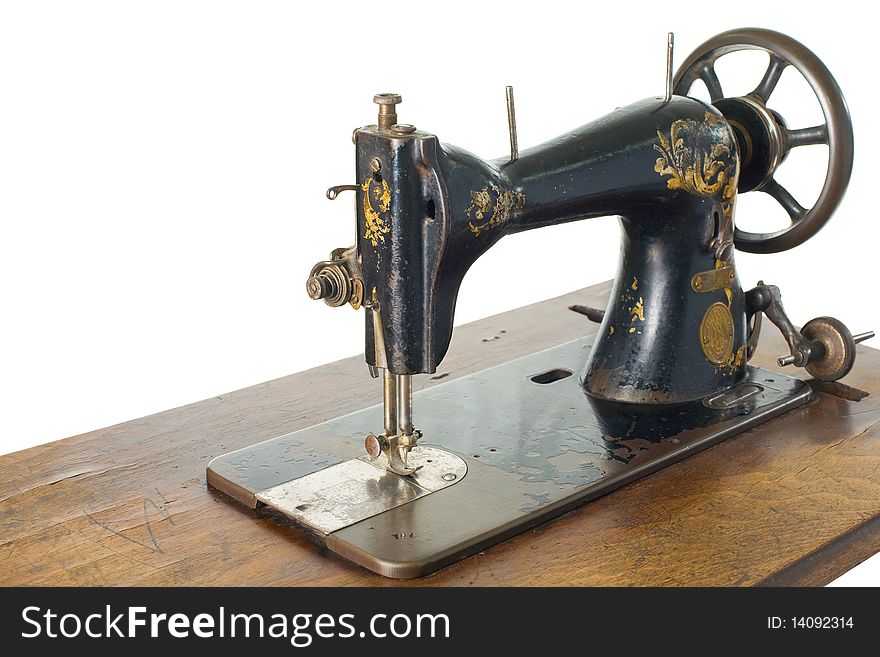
(794, 501)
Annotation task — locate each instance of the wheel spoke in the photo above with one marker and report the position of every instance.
(795, 210)
(771, 78)
(818, 134)
(710, 79)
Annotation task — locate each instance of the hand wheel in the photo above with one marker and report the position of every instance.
(837, 344)
(763, 137)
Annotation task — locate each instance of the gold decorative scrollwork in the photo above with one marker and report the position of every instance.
(698, 158)
(376, 226)
(486, 212)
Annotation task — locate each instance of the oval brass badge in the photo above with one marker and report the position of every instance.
(716, 333)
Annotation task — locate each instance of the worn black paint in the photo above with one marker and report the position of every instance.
(603, 168)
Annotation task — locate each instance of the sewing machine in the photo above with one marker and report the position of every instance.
(491, 454)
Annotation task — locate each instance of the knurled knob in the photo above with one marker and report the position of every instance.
(387, 103)
(387, 99)
(319, 287)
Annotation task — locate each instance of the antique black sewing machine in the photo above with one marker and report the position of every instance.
(491, 454)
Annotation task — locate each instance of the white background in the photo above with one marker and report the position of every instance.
(163, 168)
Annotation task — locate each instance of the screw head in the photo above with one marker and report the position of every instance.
(449, 476)
(375, 165)
(387, 99)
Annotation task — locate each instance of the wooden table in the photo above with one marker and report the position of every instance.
(794, 501)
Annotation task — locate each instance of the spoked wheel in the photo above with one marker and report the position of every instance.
(764, 138)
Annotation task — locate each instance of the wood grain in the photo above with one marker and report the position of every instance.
(795, 501)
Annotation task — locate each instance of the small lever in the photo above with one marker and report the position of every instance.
(333, 192)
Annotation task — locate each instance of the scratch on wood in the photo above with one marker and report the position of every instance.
(165, 504)
(113, 531)
(846, 438)
(150, 529)
(77, 475)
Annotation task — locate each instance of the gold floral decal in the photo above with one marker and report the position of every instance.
(376, 225)
(487, 213)
(697, 156)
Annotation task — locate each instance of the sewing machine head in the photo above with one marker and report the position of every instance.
(678, 328)
(666, 374)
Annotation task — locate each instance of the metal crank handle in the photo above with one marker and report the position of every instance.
(858, 337)
(824, 346)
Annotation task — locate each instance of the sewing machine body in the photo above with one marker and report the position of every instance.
(447, 208)
(664, 375)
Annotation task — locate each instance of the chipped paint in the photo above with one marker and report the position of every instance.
(487, 213)
(638, 311)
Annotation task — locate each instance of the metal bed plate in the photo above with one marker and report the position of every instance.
(529, 452)
(357, 489)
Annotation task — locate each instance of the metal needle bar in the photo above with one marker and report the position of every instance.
(389, 389)
(404, 404)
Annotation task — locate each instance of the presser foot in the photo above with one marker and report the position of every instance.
(396, 448)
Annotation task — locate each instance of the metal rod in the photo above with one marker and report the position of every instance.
(389, 388)
(404, 404)
(593, 314)
(786, 360)
(670, 42)
(511, 123)
(861, 337)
